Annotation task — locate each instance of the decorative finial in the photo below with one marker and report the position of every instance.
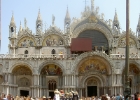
(12, 19)
(53, 19)
(25, 23)
(20, 28)
(116, 16)
(92, 5)
(39, 15)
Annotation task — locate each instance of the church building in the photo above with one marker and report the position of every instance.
(87, 57)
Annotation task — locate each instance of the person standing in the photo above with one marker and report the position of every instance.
(118, 97)
(57, 95)
(138, 96)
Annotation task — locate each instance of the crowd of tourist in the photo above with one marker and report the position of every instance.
(70, 96)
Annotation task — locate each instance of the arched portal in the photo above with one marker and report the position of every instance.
(134, 76)
(51, 77)
(95, 75)
(22, 76)
(92, 85)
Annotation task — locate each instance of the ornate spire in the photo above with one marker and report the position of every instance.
(139, 22)
(92, 5)
(67, 17)
(25, 23)
(116, 21)
(12, 20)
(138, 27)
(39, 16)
(20, 28)
(116, 16)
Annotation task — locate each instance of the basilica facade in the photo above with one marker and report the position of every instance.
(88, 57)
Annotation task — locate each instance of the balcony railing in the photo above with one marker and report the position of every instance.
(62, 56)
(123, 56)
(54, 56)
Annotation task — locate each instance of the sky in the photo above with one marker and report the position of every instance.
(29, 9)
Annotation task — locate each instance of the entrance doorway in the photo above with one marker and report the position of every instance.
(24, 93)
(91, 91)
(51, 94)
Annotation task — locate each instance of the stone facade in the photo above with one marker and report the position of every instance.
(39, 63)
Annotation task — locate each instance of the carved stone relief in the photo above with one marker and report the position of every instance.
(26, 42)
(122, 42)
(24, 82)
(92, 82)
(21, 70)
(68, 65)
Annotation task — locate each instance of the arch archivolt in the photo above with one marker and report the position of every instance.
(52, 37)
(51, 62)
(93, 26)
(26, 40)
(92, 75)
(134, 66)
(132, 37)
(24, 82)
(21, 63)
(104, 56)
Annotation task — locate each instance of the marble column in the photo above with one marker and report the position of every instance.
(65, 79)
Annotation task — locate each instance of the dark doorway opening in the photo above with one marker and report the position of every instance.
(91, 91)
(51, 94)
(24, 93)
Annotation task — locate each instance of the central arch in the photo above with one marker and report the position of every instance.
(50, 76)
(94, 67)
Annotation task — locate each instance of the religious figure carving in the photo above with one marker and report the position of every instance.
(122, 42)
(51, 70)
(102, 16)
(96, 66)
(110, 22)
(24, 82)
(27, 43)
